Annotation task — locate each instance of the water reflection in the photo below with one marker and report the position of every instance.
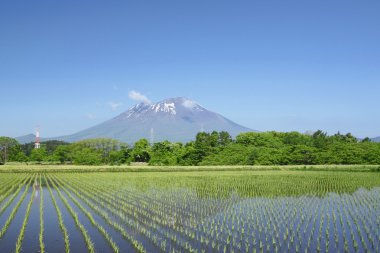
(37, 192)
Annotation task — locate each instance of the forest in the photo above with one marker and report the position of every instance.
(216, 148)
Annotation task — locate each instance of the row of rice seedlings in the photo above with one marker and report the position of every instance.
(327, 218)
(134, 224)
(141, 205)
(91, 218)
(25, 222)
(137, 245)
(105, 214)
(296, 232)
(60, 219)
(269, 226)
(157, 222)
(232, 231)
(87, 238)
(366, 217)
(187, 230)
(141, 209)
(8, 187)
(14, 210)
(132, 221)
(190, 235)
(364, 227)
(7, 179)
(144, 211)
(318, 184)
(41, 235)
(15, 194)
(164, 208)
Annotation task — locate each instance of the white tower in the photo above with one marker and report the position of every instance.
(37, 143)
(151, 136)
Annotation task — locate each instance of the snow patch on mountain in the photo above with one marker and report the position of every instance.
(170, 108)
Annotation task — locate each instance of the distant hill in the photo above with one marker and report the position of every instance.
(175, 119)
(26, 138)
(377, 139)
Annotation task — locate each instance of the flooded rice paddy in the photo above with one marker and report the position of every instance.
(265, 211)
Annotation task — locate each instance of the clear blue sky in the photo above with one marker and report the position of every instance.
(268, 65)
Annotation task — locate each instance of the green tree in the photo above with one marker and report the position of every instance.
(141, 151)
(366, 139)
(38, 155)
(62, 154)
(9, 149)
(265, 156)
(21, 157)
(224, 139)
(87, 156)
(233, 154)
(165, 153)
(295, 138)
(320, 139)
(266, 139)
(348, 138)
(204, 145)
(103, 145)
(189, 155)
(117, 157)
(302, 154)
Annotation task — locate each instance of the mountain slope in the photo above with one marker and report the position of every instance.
(26, 138)
(377, 139)
(175, 119)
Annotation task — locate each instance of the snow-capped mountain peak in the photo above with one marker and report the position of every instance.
(164, 107)
(172, 106)
(173, 119)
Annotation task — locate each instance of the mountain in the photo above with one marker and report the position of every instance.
(377, 139)
(26, 138)
(175, 119)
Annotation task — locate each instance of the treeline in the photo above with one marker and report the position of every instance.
(216, 148)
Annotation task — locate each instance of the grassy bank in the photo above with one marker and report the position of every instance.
(125, 168)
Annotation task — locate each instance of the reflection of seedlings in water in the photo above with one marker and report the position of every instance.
(37, 190)
(42, 228)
